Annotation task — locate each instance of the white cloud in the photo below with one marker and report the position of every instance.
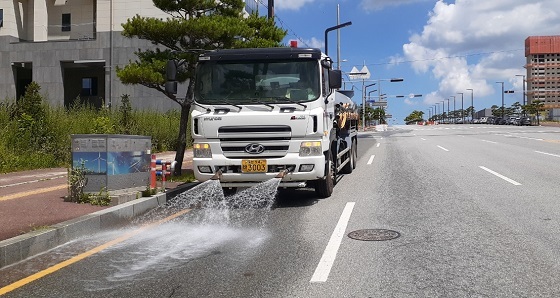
(314, 43)
(290, 4)
(372, 5)
(410, 102)
(497, 27)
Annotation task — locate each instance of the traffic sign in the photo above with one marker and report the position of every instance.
(387, 116)
(379, 104)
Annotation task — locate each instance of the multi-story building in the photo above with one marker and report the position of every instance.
(72, 48)
(543, 72)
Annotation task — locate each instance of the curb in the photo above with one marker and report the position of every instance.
(21, 247)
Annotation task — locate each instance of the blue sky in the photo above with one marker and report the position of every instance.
(439, 48)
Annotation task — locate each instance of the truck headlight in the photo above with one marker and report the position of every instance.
(310, 149)
(202, 150)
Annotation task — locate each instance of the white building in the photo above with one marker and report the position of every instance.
(71, 48)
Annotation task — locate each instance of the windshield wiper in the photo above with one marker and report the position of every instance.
(225, 102)
(256, 100)
(291, 101)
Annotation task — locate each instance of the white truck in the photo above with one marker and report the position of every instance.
(272, 112)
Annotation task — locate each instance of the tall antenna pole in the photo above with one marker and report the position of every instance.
(270, 9)
(338, 37)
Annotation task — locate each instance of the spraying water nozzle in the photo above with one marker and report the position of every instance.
(217, 176)
(282, 173)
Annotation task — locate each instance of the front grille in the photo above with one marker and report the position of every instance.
(274, 139)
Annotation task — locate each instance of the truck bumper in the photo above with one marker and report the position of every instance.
(233, 177)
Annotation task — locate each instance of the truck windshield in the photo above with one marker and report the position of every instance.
(248, 82)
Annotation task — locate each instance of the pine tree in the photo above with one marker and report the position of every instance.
(192, 27)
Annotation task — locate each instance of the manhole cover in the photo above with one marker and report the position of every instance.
(374, 234)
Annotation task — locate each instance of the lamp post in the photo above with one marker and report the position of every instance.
(331, 29)
(443, 110)
(462, 111)
(454, 109)
(365, 103)
(502, 98)
(378, 82)
(472, 104)
(524, 93)
(447, 109)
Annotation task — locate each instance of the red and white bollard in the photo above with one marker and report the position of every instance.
(153, 172)
(164, 172)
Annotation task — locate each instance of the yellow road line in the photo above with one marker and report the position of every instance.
(75, 259)
(32, 192)
(552, 141)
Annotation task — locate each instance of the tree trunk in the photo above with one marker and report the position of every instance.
(182, 138)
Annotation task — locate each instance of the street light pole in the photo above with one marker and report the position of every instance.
(462, 111)
(524, 93)
(442, 110)
(472, 104)
(365, 104)
(447, 109)
(454, 108)
(331, 29)
(502, 98)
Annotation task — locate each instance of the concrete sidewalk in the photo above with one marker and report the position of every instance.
(34, 217)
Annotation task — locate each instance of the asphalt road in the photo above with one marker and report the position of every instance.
(476, 206)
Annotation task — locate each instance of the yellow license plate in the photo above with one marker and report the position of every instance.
(253, 166)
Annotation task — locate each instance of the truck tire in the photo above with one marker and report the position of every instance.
(324, 187)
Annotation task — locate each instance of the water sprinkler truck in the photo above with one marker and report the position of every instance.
(271, 112)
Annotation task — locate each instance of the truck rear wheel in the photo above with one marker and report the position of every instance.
(324, 187)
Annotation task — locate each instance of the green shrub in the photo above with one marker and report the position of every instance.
(34, 135)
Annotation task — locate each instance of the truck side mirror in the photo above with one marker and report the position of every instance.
(171, 70)
(171, 87)
(171, 77)
(335, 79)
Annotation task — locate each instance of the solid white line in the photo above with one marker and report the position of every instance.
(501, 176)
(555, 155)
(442, 148)
(535, 139)
(370, 159)
(377, 145)
(329, 255)
(490, 142)
(33, 181)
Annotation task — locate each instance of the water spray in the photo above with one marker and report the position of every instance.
(217, 176)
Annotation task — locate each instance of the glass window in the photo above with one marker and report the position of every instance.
(1, 17)
(66, 22)
(89, 87)
(247, 82)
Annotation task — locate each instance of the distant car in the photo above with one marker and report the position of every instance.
(483, 120)
(524, 121)
(499, 121)
(511, 121)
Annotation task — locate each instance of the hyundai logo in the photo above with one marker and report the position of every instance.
(254, 148)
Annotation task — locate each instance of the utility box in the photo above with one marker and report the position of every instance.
(112, 162)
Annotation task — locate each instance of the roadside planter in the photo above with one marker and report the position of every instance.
(112, 162)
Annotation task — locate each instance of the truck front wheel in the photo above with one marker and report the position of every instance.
(324, 187)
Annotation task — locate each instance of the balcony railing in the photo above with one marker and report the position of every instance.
(83, 31)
